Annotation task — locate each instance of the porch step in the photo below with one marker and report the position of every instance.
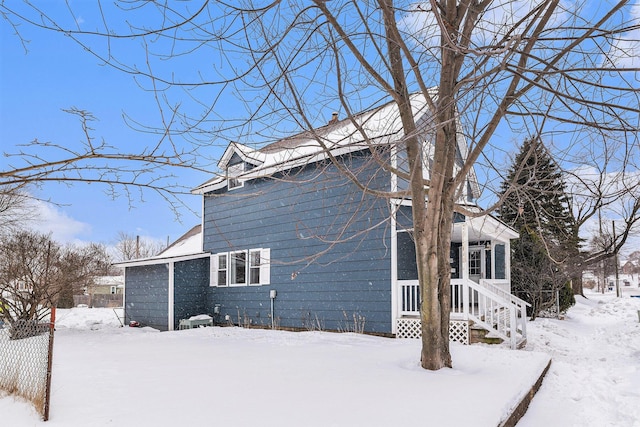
(478, 334)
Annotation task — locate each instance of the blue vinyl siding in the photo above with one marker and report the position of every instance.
(147, 295)
(297, 217)
(191, 281)
(500, 262)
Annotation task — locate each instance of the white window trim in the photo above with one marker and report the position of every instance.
(233, 171)
(250, 267)
(231, 267)
(226, 269)
(214, 268)
(265, 268)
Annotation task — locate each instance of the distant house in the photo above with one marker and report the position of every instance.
(107, 285)
(628, 277)
(630, 267)
(287, 240)
(103, 291)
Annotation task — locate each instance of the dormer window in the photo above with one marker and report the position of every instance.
(233, 172)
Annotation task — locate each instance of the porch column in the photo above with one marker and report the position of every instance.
(465, 251)
(395, 289)
(507, 262)
(465, 268)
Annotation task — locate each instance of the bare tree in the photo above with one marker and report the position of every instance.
(603, 243)
(130, 247)
(122, 172)
(14, 209)
(605, 188)
(499, 68)
(37, 273)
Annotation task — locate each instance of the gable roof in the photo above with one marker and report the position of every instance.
(247, 154)
(188, 246)
(381, 125)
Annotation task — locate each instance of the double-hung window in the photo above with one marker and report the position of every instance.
(222, 269)
(238, 268)
(254, 266)
(219, 269)
(233, 172)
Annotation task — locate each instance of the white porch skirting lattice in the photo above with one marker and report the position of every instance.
(410, 328)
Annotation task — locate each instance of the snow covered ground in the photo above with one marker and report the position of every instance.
(107, 375)
(594, 378)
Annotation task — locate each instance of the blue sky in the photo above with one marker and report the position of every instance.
(56, 74)
(53, 74)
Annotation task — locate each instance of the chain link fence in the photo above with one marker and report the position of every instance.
(26, 348)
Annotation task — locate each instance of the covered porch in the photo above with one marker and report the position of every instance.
(480, 282)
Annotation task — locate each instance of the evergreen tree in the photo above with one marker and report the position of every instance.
(536, 204)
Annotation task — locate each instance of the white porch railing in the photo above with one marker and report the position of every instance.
(503, 288)
(409, 298)
(487, 304)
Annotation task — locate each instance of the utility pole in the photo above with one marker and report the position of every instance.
(615, 260)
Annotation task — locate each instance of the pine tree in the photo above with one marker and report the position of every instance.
(536, 204)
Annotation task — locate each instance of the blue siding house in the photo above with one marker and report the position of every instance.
(288, 240)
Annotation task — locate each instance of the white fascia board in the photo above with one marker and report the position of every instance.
(246, 153)
(210, 186)
(166, 260)
(228, 152)
(493, 227)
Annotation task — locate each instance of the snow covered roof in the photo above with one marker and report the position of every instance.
(380, 126)
(247, 154)
(187, 246)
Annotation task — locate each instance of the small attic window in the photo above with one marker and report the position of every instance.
(233, 171)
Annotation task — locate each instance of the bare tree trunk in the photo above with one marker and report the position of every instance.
(432, 215)
(576, 286)
(435, 279)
